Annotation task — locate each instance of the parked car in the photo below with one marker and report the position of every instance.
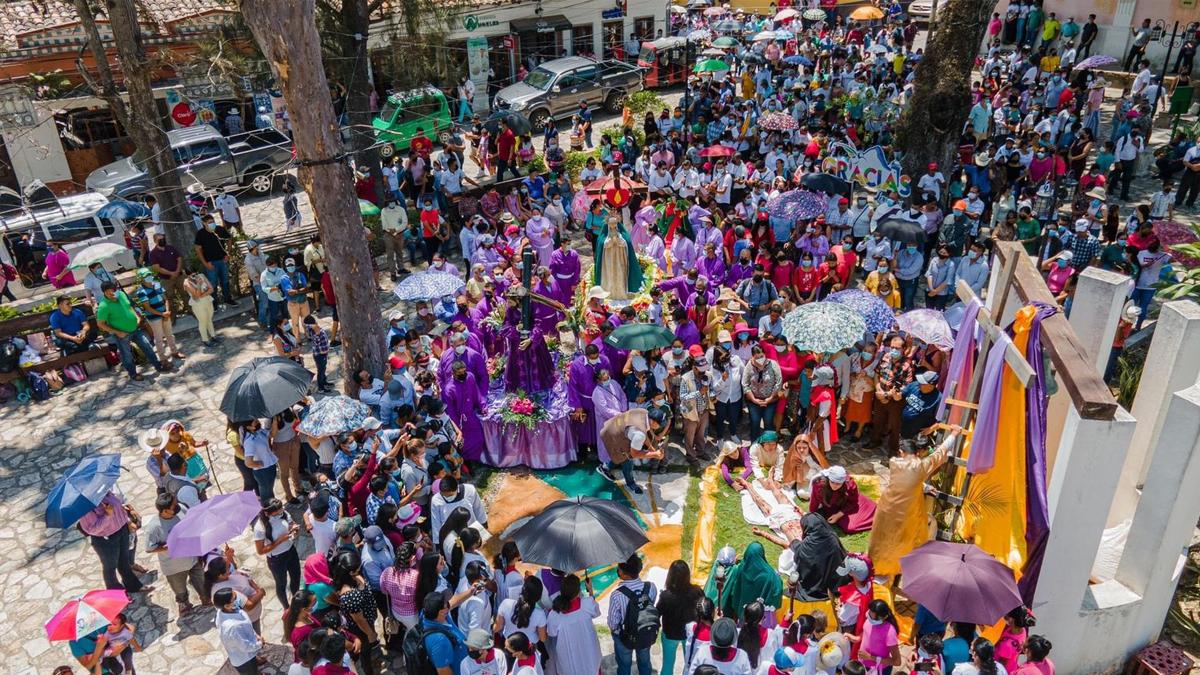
(555, 88)
(403, 112)
(922, 10)
(204, 156)
(72, 221)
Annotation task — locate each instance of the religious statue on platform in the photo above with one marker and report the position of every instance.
(616, 268)
(528, 364)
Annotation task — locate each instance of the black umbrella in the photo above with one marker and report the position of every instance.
(575, 534)
(264, 388)
(516, 121)
(825, 182)
(901, 230)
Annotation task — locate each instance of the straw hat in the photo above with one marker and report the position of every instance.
(507, 217)
(1098, 193)
(152, 439)
(597, 293)
(732, 307)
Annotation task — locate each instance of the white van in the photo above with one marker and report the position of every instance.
(73, 222)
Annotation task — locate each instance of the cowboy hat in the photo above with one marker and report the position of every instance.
(732, 307)
(165, 427)
(507, 217)
(152, 439)
(1098, 193)
(597, 293)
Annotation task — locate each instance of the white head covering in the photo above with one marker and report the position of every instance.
(835, 474)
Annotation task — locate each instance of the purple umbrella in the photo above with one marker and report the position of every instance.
(959, 582)
(874, 310)
(209, 524)
(927, 325)
(797, 204)
(1097, 61)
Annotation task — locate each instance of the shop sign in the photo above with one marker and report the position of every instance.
(472, 22)
(869, 168)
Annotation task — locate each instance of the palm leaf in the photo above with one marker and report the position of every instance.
(986, 500)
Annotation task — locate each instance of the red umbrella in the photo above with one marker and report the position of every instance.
(959, 582)
(86, 614)
(717, 151)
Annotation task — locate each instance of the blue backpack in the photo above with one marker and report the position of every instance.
(39, 389)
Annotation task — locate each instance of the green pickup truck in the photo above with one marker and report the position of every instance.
(404, 111)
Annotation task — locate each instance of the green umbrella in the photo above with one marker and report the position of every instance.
(725, 42)
(366, 208)
(96, 253)
(711, 66)
(640, 336)
(823, 327)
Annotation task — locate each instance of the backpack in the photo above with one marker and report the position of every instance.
(39, 388)
(10, 356)
(640, 628)
(416, 654)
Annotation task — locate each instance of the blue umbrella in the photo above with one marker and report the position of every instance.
(124, 210)
(81, 489)
(333, 415)
(798, 60)
(426, 285)
(874, 311)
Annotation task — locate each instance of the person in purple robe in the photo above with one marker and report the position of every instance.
(645, 226)
(540, 232)
(439, 264)
(813, 241)
(656, 249)
(709, 234)
(742, 269)
(683, 254)
(529, 367)
(476, 362)
(609, 401)
(682, 286)
(474, 340)
(564, 265)
(464, 401)
(545, 317)
(685, 328)
(712, 266)
(616, 357)
(581, 382)
(703, 288)
(486, 254)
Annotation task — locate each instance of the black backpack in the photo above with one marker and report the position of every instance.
(416, 654)
(642, 621)
(10, 356)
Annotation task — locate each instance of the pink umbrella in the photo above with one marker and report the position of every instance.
(86, 614)
(927, 325)
(715, 11)
(959, 582)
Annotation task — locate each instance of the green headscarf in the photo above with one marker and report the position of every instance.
(750, 579)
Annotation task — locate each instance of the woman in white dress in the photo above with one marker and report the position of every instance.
(576, 647)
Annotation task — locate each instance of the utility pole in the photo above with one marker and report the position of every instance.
(287, 34)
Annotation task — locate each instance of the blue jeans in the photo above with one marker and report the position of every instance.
(908, 293)
(669, 649)
(264, 307)
(624, 656)
(1142, 297)
(761, 418)
(322, 360)
(275, 309)
(144, 344)
(729, 416)
(266, 482)
(626, 468)
(219, 275)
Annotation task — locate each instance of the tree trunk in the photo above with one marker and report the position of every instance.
(932, 123)
(356, 21)
(145, 124)
(287, 34)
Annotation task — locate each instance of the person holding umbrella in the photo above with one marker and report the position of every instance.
(109, 528)
(179, 571)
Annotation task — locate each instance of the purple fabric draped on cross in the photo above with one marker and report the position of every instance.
(987, 421)
(1037, 511)
(961, 356)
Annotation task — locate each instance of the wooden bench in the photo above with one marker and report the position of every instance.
(278, 245)
(31, 324)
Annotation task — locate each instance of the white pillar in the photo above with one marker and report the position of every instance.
(1166, 515)
(1099, 297)
(1172, 364)
(1079, 494)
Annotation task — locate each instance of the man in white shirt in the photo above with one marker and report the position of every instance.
(723, 184)
(241, 643)
(231, 211)
(452, 494)
(1162, 203)
(1142, 80)
(687, 180)
(931, 183)
(394, 221)
(1128, 147)
(1189, 181)
(660, 181)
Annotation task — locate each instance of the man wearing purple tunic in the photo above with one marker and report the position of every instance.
(609, 401)
(581, 382)
(475, 362)
(530, 368)
(712, 266)
(540, 232)
(616, 357)
(683, 286)
(683, 254)
(685, 328)
(703, 288)
(464, 402)
(742, 269)
(486, 254)
(564, 265)
(709, 234)
(545, 317)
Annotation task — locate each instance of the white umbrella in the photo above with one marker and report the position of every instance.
(785, 14)
(765, 36)
(96, 253)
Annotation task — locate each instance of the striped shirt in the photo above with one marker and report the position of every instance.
(619, 602)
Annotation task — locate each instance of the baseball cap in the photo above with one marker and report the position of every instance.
(144, 272)
(479, 638)
(927, 377)
(346, 526)
(1082, 224)
(373, 536)
(696, 351)
(853, 567)
(371, 423)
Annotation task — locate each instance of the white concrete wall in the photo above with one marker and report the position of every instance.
(37, 152)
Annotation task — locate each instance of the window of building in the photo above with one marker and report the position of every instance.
(643, 28)
(583, 40)
(614, 39)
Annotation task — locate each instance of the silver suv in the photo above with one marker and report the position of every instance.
(555, 88)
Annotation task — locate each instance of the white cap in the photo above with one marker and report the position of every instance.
(1082, 225)
(927, 377)
(371, 423)
(637, 438)
(836, 474)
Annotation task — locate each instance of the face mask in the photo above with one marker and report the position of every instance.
(1062, 263)
(238, 603)
(726, 345)
(211, 226)
(592, 362)
(910, 249)
(758, 277)
(760, 360)
(291, 268)
(883, 269)
(1041, 155)
(867, 356)
(460, 349)
(875, 622)
(973, 255)
(287, 326)
(894, 353)
(743, 336)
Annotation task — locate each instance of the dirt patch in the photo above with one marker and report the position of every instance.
(511, 497)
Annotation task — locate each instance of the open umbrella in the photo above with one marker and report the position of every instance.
(640, 336)
(874, 311)
(727, 26)
(426, 285)
(516, 121)
(711, 66)
(785, 14)
(715, 11)
(823, 327)
(264, 388)
(95, 253)
(717, 151)
(866, 13)
(81, 489)
(784, 34)
(927, 325)
(333, 415)
(814, 14)
(959, 582)
(211, 523)
(678, 9)
(715, 52)
(765, 36)
(122, 209)
(901, 230)
(796, 204)
(725, 41)
(825, 182)
(777, 121)
(700, 35)
(367, 208)
(575, 534)
(86, 614)
(798, 60)
(1097, 61)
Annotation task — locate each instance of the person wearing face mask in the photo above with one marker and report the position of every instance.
(973, 268)
(238, 637)
(908, 265)
(210, 249)
(464, 399)
(894, 372)
(475, 362)
(293, 285)
(939, 279)
(693, 400)
(1059, 271)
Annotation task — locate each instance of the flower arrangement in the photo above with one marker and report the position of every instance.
(495, 366)
(519, 408)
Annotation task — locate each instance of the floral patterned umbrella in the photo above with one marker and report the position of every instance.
(1097, 61)
(814, 14)
(426, 285)
(875, 312)
(777, 121)
(823, 327)
(333, 415)
(797, 204)
(927, 325)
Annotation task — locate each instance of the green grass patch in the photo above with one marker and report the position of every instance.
(691, 511)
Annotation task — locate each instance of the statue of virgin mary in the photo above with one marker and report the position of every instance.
(616, 269)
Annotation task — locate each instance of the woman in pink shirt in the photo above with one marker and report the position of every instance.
(879, 647)
(58, 271)
(1037, 661)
